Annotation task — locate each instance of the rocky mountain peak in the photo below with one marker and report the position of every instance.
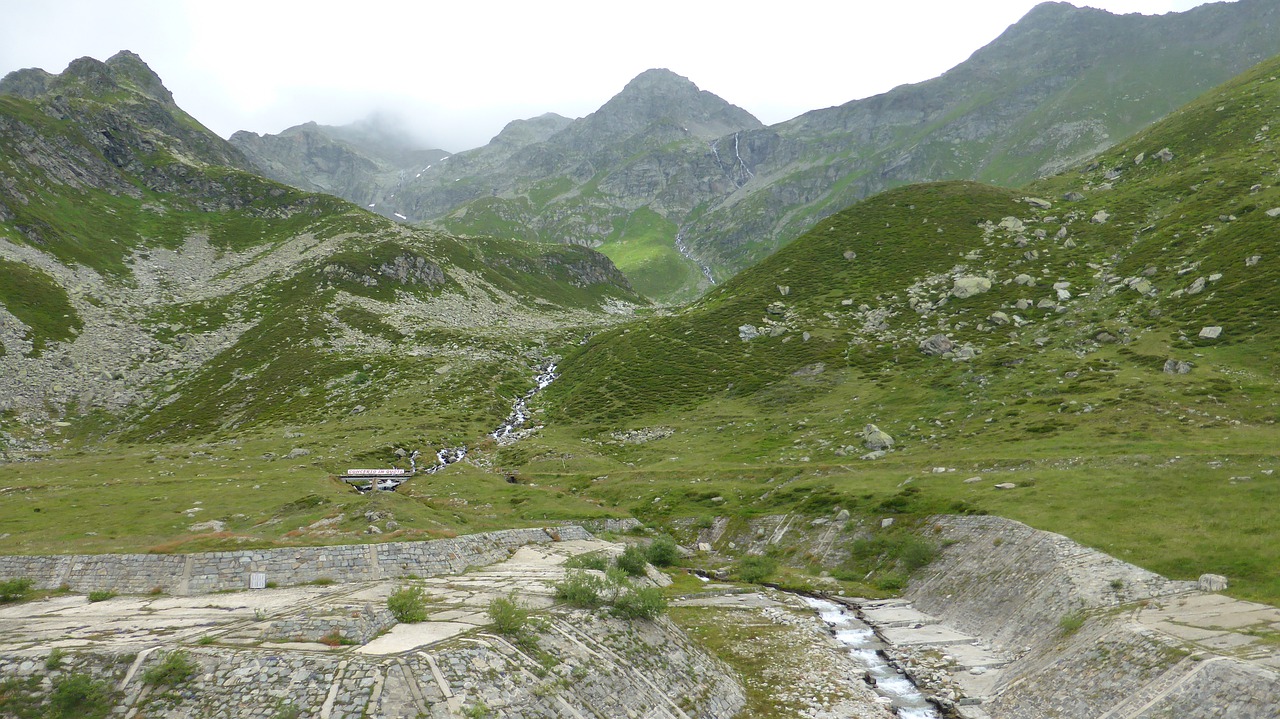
(87, 75)
(662, 95)
(129, 68)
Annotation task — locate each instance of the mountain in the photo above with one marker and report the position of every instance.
(355, 161)
(150, 279)
(677, 186)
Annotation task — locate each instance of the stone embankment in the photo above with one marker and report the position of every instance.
(256, 654)
(1011, 622)
(205, 572)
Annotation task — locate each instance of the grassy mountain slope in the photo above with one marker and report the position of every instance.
(153, 283)
(1061, 376)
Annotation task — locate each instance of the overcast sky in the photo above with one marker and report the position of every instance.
(460, 70)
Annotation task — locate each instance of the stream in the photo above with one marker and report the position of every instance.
(683, 249)
(906, 699)
(506, 433)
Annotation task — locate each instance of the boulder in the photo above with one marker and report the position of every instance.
(1073, 197)
(746, 333)
(875, 439)
(776, 308)
(886, 522)
(1038, 203)
(1006, 485)
(998, 318)
(1210, 333)
(1252, 260)
(936, 345)
(1273, 212)
(1012, 224)
(1196, 287)
(1100, 217)
(784, 290)
(970, 286)
(1025, 280)
(1140, 157)
(1164, 155)
(1172, 366)
(850, 255)
(879, 453)
(1212, 583)
(973, 480)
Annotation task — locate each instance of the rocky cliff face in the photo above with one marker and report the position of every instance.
(1059, 86)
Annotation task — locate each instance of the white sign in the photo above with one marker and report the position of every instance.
(377, 472)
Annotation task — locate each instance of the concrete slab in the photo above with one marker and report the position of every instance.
(929, 634)
(1229, 642)
(731, 601)
(1191, 634)
(968, 656)
(407, 637)
(897, 616)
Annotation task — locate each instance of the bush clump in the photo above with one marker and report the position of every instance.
(100, 595)
(408, 605)
(663, 552)
(632, 561)
(580, 589)
(642, 603)
(80, 696)
(508, 616)
(14, 590)
(590, 560)
(756, 569)
(176, 668)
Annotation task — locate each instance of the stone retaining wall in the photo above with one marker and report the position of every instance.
(602, 667)
(206, 572)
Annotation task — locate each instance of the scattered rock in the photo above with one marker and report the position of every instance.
(1172, 366)
(878, 454)
(1164, 155)
(1253, 260)
(1141, 156)
(1212, 583)
(784, 290)
(936, 345)
(1100, 217)
(776, 308)
(850, 255)
(886, 522)
(1038, 203)
(970, 286)
(973, 480)
(874, 438)
(1006, 485)
(213, 525)
(1210, 333)
(704, 547)
(999, 318)
(297, 452)
(1196, 287)
(1073, 197)
(746, 333)
(1025, 280)
(1273, 212)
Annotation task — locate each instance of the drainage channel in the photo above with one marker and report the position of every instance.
(895, 688)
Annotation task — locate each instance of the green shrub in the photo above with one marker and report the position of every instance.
(80, 696)
(632, 561)
(1070, 623)
(643, 603)
(100, 595)
(176, 668)
(580, 589)
(408, 605)
(590, 560)
(756, 569)
(14, 590)
(508, 616)
(54, 660)
(663, 552)
(285, 710)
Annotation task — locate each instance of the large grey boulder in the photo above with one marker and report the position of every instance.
(746, 333)
(876, 439)
(1172, 366)
(936, 345)
(1211, 333)
(1212, 583)
(970, 286)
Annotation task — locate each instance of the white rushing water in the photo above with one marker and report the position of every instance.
(906, 699)
(506, 432)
